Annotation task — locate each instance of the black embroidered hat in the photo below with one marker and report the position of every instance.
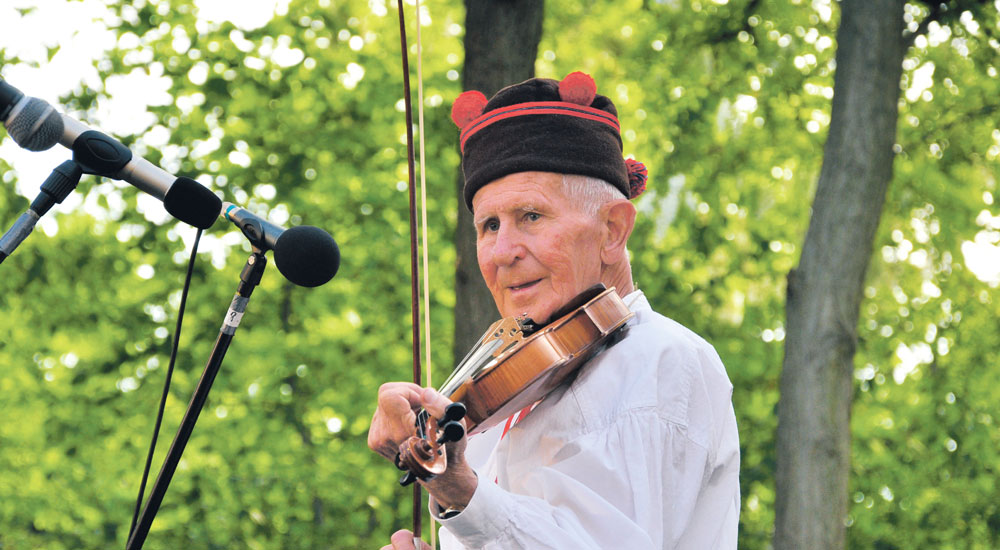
(547, 126)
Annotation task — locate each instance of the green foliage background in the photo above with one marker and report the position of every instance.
(727, 104)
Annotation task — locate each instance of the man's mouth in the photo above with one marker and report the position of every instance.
(523, 286)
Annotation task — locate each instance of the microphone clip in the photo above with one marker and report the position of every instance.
(252, 229)
(100, 155)
(60, 183)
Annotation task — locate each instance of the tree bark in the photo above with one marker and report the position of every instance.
(825, 291)
(501, 44)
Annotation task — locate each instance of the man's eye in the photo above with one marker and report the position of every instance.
(532, 216)
(492, 225)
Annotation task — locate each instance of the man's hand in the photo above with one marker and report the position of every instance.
(394, 423)
(394, 418)
(403, 540)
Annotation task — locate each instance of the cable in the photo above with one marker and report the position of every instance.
(166, 383)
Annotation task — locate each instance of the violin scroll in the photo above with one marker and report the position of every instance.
(422, 455)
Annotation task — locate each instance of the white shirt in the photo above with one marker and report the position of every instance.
(640, 452)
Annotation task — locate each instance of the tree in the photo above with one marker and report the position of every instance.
(826, 290)
(501, 45)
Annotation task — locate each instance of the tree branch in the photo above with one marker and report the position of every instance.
(725, 35)
(935, 14)
(944, 13)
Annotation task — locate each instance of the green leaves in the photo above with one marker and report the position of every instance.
(298, 118)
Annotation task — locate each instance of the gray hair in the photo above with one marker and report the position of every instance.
(588, 193)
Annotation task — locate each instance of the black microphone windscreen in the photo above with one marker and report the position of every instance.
(192, 202)
(307, 255)
(36, 127)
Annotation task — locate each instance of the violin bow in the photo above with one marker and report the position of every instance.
(414, 276)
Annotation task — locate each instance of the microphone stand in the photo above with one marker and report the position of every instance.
(249, 279)
(60, 183)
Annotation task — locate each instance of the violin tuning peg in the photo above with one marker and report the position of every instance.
(407, 479)
(454, 412)
(451, 431)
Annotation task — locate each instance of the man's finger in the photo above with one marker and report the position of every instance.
(434, 402)
(394, 418)
(403, 540)
(399, 397)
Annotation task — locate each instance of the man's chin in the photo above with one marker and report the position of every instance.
(524, 301)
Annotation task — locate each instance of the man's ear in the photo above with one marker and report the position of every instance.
(618, 217)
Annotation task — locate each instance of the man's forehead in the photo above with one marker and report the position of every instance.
(517, 203)
(518, 190)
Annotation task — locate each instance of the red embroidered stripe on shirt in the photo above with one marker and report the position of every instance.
(516, 417)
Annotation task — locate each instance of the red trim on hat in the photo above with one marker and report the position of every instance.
(538, 108)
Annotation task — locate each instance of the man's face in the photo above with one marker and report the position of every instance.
(536, 250)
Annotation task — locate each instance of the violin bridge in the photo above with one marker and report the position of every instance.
(508, 332)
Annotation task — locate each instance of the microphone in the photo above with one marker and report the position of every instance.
(57, 187)
(305, 255)
(31, 122)
(35, 125)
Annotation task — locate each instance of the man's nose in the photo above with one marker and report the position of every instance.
(508, 247)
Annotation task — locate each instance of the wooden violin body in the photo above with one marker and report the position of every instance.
(516, 364)
(527, 372)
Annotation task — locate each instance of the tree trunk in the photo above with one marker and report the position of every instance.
(824, 292)
(501, 44)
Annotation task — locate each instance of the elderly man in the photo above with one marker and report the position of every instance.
(640, 450)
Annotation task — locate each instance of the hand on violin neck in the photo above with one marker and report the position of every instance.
(433, 402)
(455, 487)
(394, 418)
(393, 423)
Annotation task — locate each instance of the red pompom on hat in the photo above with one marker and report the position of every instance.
(578, 88)
(636, 177)
(467, 107)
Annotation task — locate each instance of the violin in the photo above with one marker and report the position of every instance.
(514, 364)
